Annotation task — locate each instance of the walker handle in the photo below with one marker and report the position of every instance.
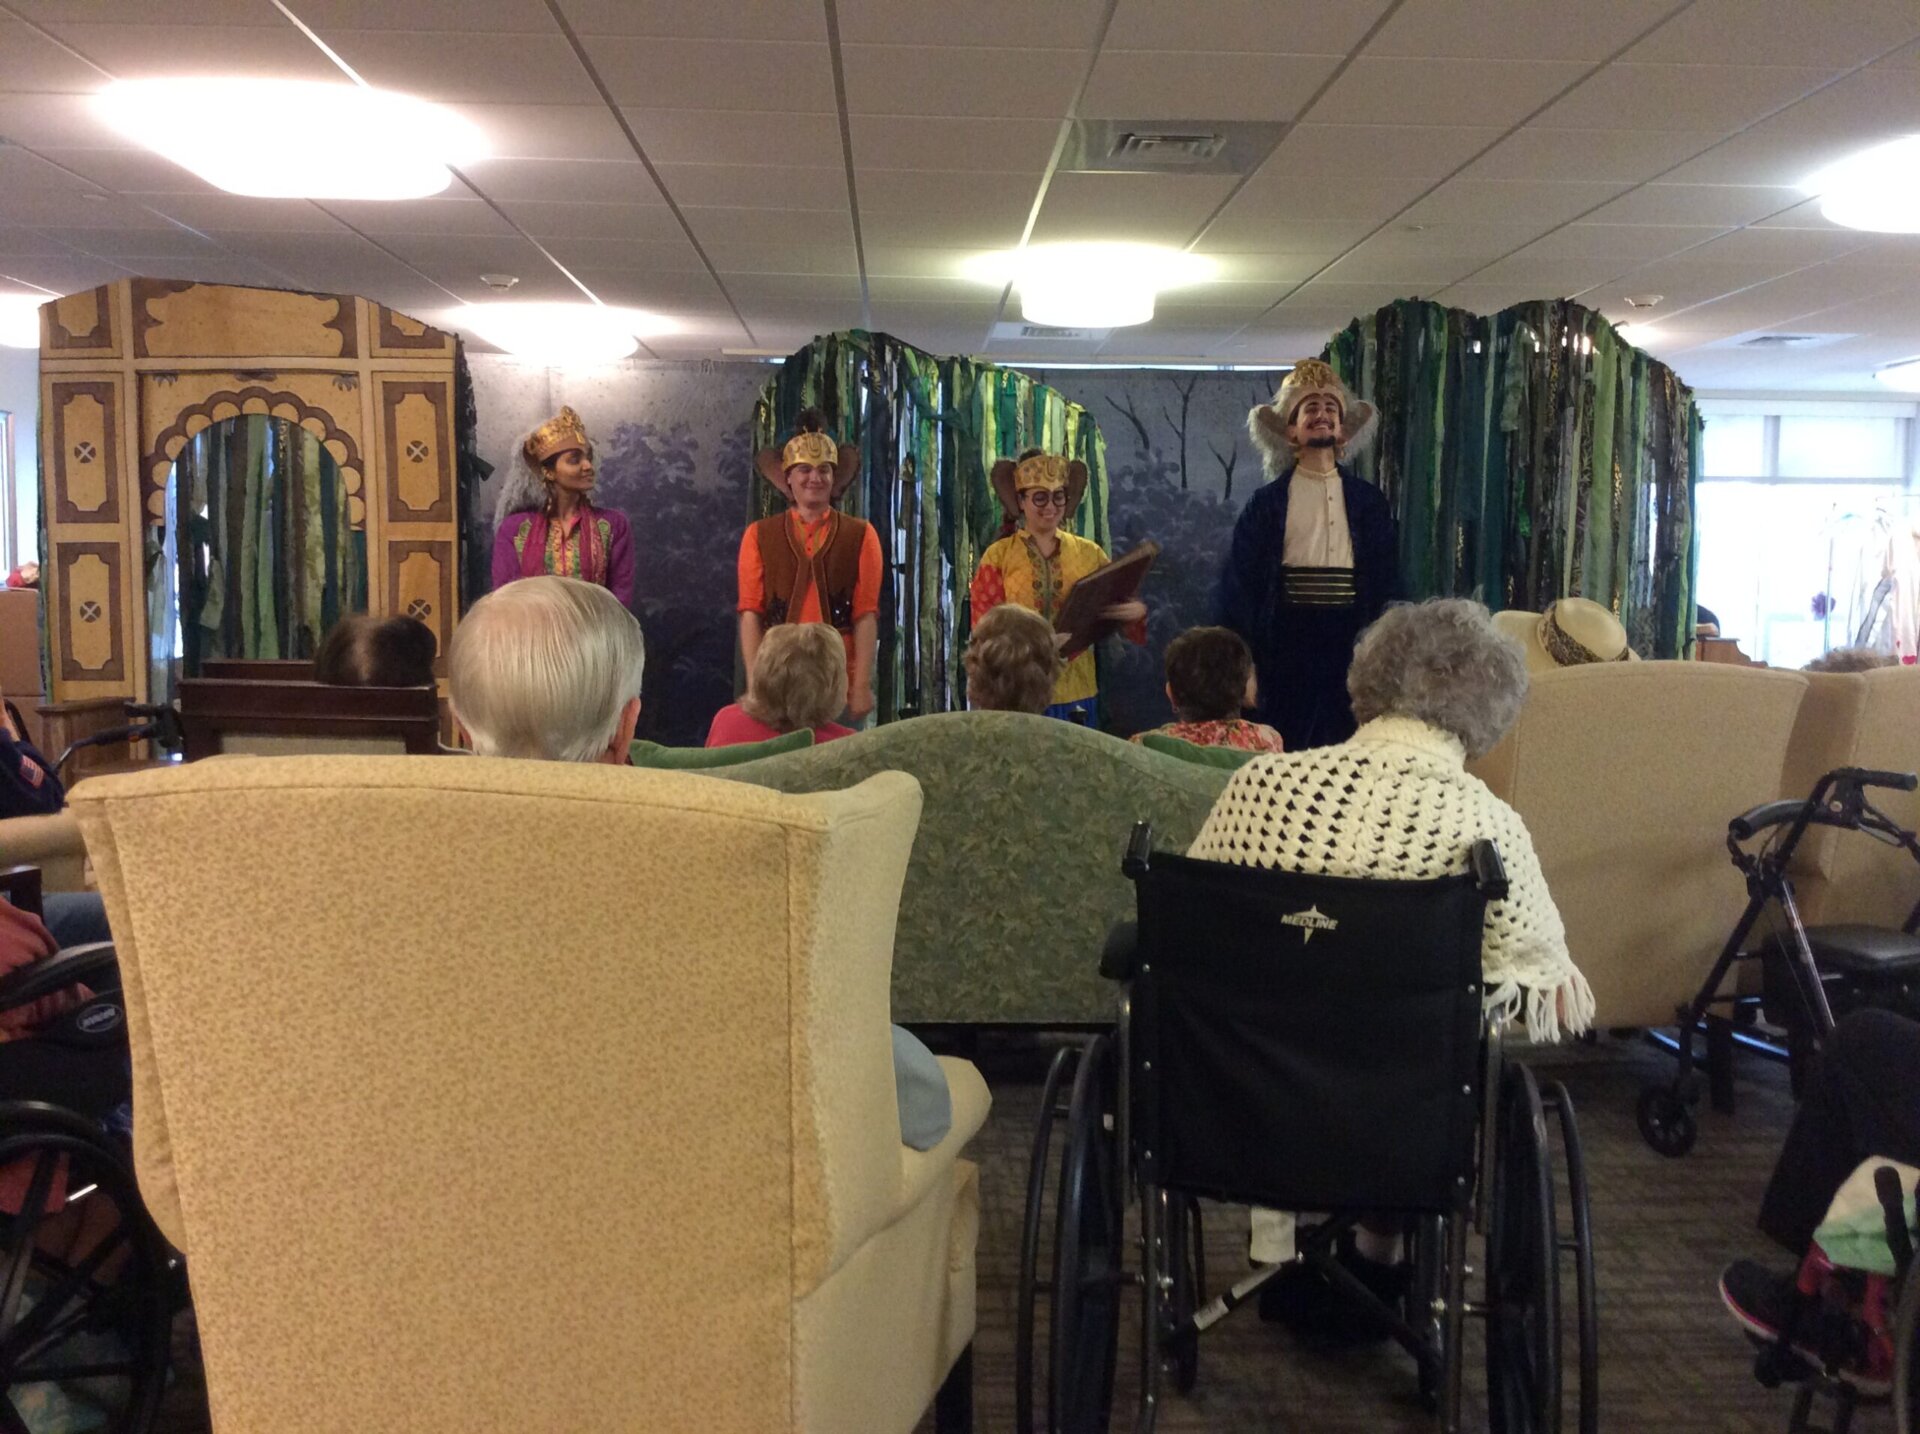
(1767, 814)
(1864, 777)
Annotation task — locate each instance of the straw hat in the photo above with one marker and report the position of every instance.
(1570, 633)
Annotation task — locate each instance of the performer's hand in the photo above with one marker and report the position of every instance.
(859, 703)
(1132, 611)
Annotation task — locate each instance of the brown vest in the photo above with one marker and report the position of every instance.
(789, 572)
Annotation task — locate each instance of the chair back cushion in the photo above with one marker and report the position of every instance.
(1230, 758)
(1626, 775)
(1869, 881)
(501, 1095)
(692, 759)
(1307, 1042)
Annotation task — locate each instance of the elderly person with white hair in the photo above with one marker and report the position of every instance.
(1432, 684)
(549, 668)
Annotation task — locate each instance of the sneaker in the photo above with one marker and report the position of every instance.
(1823, 1311)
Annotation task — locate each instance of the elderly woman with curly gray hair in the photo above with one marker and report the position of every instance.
(1432, 684)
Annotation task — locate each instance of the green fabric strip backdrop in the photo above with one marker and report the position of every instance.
(929, 430)
(1532, 455)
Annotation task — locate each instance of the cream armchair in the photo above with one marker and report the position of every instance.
(1626, 775)
(502, 1096)
(51, 842)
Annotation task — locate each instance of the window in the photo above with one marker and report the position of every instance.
(1793, 509)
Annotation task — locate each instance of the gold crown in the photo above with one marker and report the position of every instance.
(1043, 470)
(818, 449)
(559, 433)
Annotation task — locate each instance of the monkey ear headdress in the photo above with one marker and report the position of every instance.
(811, 444)
(1042, 470)
(1268, 422)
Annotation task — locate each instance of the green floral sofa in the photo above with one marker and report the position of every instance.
(1015, 875)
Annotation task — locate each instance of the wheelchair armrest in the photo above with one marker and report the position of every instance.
(1117, 957)
(57, 972)
(1139, 851)
(1489, 872)
(1767, 814)
(21, 886)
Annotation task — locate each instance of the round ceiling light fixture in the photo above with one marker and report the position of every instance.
(1092, 285)
(1873, 189)
(295, 139)
(20, 320)
(561, 335)
(1904, 376)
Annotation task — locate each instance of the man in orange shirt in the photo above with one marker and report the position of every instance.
(812, 563)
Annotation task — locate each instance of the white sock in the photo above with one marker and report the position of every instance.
(1371, 1245)
(1271, 1236)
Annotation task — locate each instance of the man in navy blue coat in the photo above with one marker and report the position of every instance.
(1314, 558)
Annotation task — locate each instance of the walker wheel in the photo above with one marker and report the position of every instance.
(1666, 1121)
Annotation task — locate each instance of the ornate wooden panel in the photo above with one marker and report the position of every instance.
(81, 324)
(397, 336)
(91, 644)
(420, 585)
(416, 437)
(82, 447)
(176, 319)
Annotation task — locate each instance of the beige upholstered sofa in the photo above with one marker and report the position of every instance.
(503, 1096)
(52, 843)
(1869, 719)
(1626, 776)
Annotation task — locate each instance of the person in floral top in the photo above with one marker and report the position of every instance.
(1209, 679)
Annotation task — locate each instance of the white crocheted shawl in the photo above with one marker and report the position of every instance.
(1397, 801)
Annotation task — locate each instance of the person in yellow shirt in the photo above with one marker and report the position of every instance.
(813, 563)
(1037, 565)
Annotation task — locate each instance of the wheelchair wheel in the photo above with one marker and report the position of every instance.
(86, 1282)
(1523, 1269)
(1579, 1244)
(1088, 1250)
(1185, 1238)
(1666, 1121)
(1027, 1293)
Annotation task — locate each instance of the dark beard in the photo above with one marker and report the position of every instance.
(1322, 442)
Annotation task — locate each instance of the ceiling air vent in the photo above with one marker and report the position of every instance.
(1778, 341)
(1017, 331)
(1169, 146)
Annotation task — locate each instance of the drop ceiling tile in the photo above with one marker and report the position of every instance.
(29, 61)
(170, 242)
(548, 131)
(716, 74)
(1524, 30)
(63, 276)
(1621, 156)
(1422, 272)
(469, 65)
(61, 211)
(20, 242)
(1792, 247)
(1689, 96)
(661, 291)
(1546, 278)
(1204, 302)
(582, 254)
(771, 226)
(1698, 204)
(733, 257)
(1688, 280)
(1280, 268)
(1478, 241)
(1058, 24)
(328, 17)
(906, 191)
(785, 21)
(1140, 208)
(126, 12)
(1255, 231)
(1273, 197)
(231, 211)
(1234, 85)
(1487, 299)
(130, 171)
(1625, 244)
(649, 223)
(952, 143)
(973, 230)
(1544, 204)
(748, 186)
(466, 256)
(418, 216)
(740, 137)
(538, 181)
(1777, 32)
(1352, 298)
(997, 83)
(749, 290)
(823, 316)
(1769, 153)
(1334, 26)
(140, 51)
(58, 121)
(1379, 151)
(1450, 92)
(933, 289)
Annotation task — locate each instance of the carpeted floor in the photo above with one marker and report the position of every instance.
(1670, 1359)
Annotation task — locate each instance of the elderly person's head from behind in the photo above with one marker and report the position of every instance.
(1442, 663)
(1851, 659)
(548, 668)
(1012, 661)
(366, 651)
(799, 677)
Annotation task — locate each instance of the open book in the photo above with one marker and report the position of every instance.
(1119, 581)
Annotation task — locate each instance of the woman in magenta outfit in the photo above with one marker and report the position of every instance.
(548, 523)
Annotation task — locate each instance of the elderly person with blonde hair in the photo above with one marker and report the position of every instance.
(1012, 661)
(549, 668)
(799, 679)
(1432, 684)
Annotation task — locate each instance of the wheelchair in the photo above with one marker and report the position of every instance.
(88, 1286)
(1301, 1043)
(1805, 969)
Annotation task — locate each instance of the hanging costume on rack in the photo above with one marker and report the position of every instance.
(813, 563)
(548, 524)
(1314, 557)
(1037, 567)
